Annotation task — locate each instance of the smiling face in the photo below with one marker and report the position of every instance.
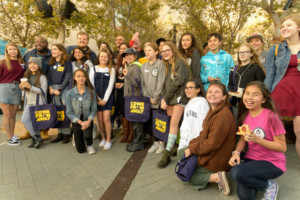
(186, 42)
(151, 54)
(122, 48)
(167, 53)
(12, 51)
(82, 41)
(289, 29)
(129, 58)
(41, 44)
(256, 44)
(102, 46)
(190, 90)
(33, 67)
(215, 96)
(56, 53)
(214, 44)
(119, 40)
(78, 54)
(103, 58)
(245, 54)
(79, 77)
(253, 98)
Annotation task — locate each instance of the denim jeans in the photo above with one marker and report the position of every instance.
(253, 176)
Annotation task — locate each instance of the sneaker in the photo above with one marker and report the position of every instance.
(90, 150)
(102, 143)
(161, 147)
(107, 146)
(154, 147)
(272, 191)
(223, 184)
(13, 143)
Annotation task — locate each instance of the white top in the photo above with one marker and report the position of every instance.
(194, 114)
(111, 79)
(88, 63)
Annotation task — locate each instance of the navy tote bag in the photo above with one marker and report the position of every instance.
(161, 124)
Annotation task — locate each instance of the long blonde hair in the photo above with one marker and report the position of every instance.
(176, 55)
(253, 59)
(110, 64)
(7, 58)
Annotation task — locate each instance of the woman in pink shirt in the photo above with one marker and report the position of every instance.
(11, 71)
(265, 159)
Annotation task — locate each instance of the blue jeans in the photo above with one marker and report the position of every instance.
(253, 176)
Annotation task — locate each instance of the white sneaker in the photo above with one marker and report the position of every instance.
(90, 149)
(161, 147)
(154, 147)
(107, 146)
(102, 143)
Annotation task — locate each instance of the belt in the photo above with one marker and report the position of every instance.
(16, 82)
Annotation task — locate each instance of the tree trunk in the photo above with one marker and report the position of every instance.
(61, 34)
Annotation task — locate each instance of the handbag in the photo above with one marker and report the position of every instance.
(185, 168)
(137, 108)
(42, 116)
(62, 121)
(161, 124)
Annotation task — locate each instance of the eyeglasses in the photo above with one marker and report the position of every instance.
(243, 52)
(165, 51)
(189, 88)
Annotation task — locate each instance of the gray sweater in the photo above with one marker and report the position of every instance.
(153, 78)
(133, 73)
(30, 95)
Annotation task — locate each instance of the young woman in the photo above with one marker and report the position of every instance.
(81, 109)
(264, 159)
(248, 69)
(283, 73)
(80, 60)
(215, 143)
(11, 71)
(102, 77)
(173, 97)
(188, 48)
(59, 75)
(36, 80)
(257, 43)
(131, 73)
(194, 113)
(153, 78)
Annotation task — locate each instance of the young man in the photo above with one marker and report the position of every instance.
(257, 43)
(83, 41)
(216, 64)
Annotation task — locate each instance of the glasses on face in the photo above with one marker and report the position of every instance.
(166, 51)
(243, 52)
(189, 88)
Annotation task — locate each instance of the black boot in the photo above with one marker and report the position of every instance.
(138, 138)
(165, 160)
(66, 139)
(38, 141)
(32, 143)
(58, 138)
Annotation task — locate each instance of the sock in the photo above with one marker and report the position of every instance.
(171, 141)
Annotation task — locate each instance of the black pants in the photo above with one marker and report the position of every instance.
(80, 136)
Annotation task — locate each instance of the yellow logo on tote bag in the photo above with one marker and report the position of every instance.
(137, 107)
(60, 115)
(160, 125)
(42, 115)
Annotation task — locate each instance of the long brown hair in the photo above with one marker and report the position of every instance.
(110, 64)
(176, 55)
(253, 59)
(119, 62)
(39, 72)
(7, 57)
(188, 52)
(64, 57)
(88, 83)
(269, 103)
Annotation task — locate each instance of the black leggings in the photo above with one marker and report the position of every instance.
(80, 136)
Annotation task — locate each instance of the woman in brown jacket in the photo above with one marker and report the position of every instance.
(215, 143)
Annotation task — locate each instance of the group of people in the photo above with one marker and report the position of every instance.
(207, 97)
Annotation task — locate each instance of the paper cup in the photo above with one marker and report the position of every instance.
(24, 79)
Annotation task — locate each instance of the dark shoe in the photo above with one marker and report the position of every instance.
(66, 139)
(174, 150)
(223, 184)
(165, 160)
(38, 141)
(58, 138)
(32, 143)
(134, 147)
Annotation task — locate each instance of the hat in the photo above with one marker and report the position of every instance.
(129, 51)
(255, 35)
(35, 60)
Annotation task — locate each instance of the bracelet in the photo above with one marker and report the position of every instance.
(236, 152)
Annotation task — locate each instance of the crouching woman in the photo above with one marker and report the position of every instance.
(81, 109)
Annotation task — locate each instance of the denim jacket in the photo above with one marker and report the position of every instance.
(276, 66)
(73, 104)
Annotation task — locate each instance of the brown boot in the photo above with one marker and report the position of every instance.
(25, 136)
(125, 129)
(130, 135)
(44, 134)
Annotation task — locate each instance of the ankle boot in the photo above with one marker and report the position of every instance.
(44, 134)
(130, 133)
(38, 141)
(138, 138)
(32, 143)
(66, 139)
(165, 160)
(25, 136)
(58, 138)
(125, 129)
